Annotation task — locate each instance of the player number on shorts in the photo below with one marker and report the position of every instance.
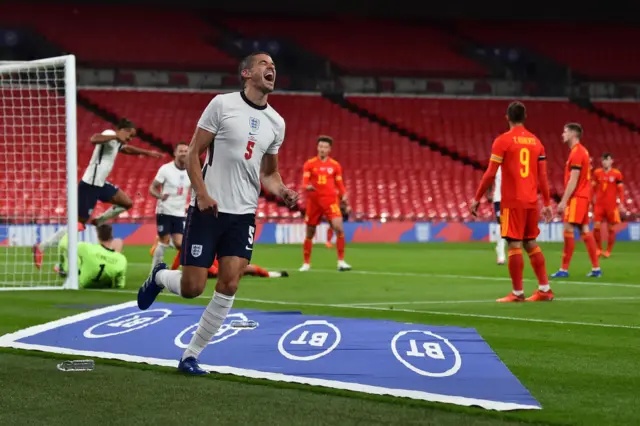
(252, 230)
(524, 162)
(97, 278)
(322, 179)
(249, 152)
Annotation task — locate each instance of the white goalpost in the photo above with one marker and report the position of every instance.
(38, 170)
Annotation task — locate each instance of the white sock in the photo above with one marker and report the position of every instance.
(544, 287)
(518, 292)
(500, 248)
(275, 274)
(170, 280)
(55, 238)
(158, 254)
(112, 212)
(212, 319)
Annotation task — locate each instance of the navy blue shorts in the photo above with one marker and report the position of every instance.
(89, 195)
(496, 209)
(207, 236)
(167, 224)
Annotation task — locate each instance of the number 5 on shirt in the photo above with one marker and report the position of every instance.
(249, 152)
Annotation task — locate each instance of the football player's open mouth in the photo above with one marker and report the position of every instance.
(269, 76)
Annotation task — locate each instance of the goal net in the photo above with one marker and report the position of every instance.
(38, 170)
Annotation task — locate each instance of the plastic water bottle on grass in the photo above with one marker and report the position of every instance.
(77, 365)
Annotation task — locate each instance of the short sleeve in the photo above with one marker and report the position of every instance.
(619, 178)
(109, 132)
(543, 154)
(497, 151)
(577, 159)
(160, 176)
(277, 142)
(211, 116)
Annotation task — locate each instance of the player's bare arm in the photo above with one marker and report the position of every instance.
(272, 181)
(568, 192)
(155, 189)
(134, 150)
(487, 180)
(201, 140)
(543, 185)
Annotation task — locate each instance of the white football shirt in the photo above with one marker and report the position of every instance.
(175, 182)
(102, 161)
(497, 186)
(244, 133)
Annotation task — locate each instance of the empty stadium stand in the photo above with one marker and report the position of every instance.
(599, 51)
(124, 35)
(386, 174)
(369, 47)
(469, 126)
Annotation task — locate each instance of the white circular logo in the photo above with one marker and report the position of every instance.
(314, 341)
(126, 323)
(225, 331)
(423, 350)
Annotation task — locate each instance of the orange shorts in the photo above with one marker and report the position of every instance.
(577, 211)
(519, 224)
(608, 215)
(317, 208)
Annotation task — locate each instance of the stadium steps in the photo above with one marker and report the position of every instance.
(340, 100)
(587, 105)
(113, 118)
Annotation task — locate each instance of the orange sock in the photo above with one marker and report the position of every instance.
(340, 243)
(591, 249)
(306, 250)
(329, 234)
(612, 238)
(569, 246)
(261, 272)
(539, 265)
(597, 236)
(176, 260)
(516, 269)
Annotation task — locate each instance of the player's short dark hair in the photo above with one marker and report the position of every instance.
(105, 232)
(325, 138)
(180, 143)
(516, 112)
(575, 127)
(247, 62)
(606, 155)
(124, 123)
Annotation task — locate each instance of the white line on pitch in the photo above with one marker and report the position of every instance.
(456, 302)
(595, 282)
(374, 308)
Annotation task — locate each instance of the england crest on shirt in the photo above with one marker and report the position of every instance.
(254, 124)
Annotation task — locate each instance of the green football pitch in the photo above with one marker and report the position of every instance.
(578, 355)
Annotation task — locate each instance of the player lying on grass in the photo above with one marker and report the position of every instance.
(521, 156)
(100, 265)
(608, 196)
(94, 185)
(574, 205)
(323, 183)
(251, 270)
(170, 187)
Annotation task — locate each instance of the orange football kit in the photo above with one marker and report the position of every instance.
(607, 188)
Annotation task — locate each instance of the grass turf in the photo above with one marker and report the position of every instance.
(577, 355)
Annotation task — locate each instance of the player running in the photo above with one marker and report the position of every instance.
(170, 187)
(94, 185)
(248, 134)
(345, 210)
(575, 201)
(322, 180)
(100, 265)
(496, 197)
(521, 156)
(608, 192)
(251, 270)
